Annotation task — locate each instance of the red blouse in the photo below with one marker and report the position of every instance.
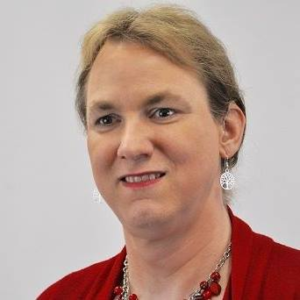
(261, 269)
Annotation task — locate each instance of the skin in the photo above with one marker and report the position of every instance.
(177, 229)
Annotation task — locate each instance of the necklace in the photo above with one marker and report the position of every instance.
(206, 290)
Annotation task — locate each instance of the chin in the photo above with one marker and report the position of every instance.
(148, 219)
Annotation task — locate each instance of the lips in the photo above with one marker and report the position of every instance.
(142, 180)
(142, 177)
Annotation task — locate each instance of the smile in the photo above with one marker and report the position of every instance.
(142, 181)
(143, 178)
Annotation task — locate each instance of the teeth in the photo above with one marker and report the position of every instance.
(142, 178)
(152, 176)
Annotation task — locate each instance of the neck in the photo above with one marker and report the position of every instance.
(172, 267)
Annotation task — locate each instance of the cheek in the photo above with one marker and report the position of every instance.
(195, 151)
(101, 155)
(193, 142)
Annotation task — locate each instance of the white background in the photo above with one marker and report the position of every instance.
(49, 224)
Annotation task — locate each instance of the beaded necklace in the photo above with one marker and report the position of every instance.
(206, 290)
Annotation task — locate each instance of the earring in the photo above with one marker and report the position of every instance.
(227, 179)
(97, 196)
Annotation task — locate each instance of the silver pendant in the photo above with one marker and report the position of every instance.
(96, 196)
(227, 180)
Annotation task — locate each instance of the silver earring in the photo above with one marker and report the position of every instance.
(227, 179)
(97, 196)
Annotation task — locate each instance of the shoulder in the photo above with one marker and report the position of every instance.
(86, 281)
(261, 267)
(285, 259)
(286, 255)
(282, 266)
(279, 255)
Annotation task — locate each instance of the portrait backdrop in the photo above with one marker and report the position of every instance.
(49, 223)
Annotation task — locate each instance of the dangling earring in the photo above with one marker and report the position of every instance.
(227, 179)
(97, 196)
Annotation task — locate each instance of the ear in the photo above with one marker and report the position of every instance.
(232, 131)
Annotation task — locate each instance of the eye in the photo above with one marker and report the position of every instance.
(163, 113)
(107, 120)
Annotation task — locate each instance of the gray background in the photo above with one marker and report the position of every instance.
(49, 224)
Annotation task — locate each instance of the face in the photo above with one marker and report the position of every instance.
(146, 115)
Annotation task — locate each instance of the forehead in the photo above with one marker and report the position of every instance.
(125, 70)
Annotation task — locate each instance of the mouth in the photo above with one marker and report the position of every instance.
(142, 179)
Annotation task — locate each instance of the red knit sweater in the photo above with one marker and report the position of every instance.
(261, 269)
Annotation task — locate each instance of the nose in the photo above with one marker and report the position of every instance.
(135, 142)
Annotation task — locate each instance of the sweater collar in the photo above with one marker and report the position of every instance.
(242, 243)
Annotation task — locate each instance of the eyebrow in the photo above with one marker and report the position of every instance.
(104, 105)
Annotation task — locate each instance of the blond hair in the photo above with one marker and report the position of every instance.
(176, 33)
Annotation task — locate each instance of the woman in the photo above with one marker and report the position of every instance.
(165, 120)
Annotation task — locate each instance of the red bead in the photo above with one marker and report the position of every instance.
(203, 285)
(118, 290)
(207, 294)
(133, 297)
(215, 288)
(215, 276)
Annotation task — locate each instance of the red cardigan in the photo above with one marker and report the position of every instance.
(261, 269)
